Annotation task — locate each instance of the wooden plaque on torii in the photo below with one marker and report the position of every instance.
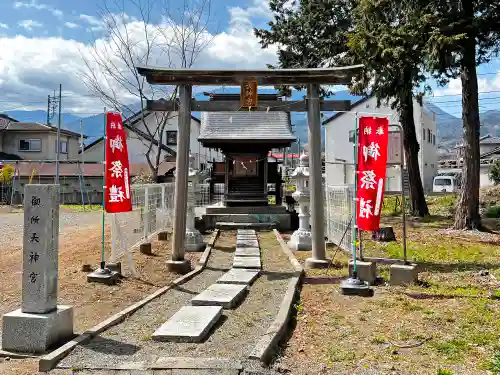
(248, 94)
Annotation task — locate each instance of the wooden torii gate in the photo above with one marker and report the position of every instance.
(249, 80)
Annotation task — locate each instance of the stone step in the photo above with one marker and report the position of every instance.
(225, 295)
(189, 324)
(247, 262)
(238, 276)
(235, 225)
(246, 238)
(247, 252)
(245, 232)
(247, 243)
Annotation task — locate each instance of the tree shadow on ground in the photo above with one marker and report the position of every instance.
(323, 280)
(456, 267)
(273, 276)
(184, 290)
(224, 269)
(109, 346)
(225, 249)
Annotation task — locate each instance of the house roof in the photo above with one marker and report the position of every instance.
(129, 124)
(248, 126)
(25, 169)
(489, 140)
(338, 114)
(7, 117)
(38, 127)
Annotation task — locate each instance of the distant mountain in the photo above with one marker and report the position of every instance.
(41, 116)
(93, 127)
(449, 127)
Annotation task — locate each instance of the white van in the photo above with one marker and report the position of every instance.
(446, 184)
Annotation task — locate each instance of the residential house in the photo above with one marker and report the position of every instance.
(36, 141)
(139, 142)
(339, 142)
(31, 148)
(489, 148)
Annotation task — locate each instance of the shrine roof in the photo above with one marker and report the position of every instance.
(246, 126)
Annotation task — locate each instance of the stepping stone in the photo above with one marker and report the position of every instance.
(246, 262)
(247, 243)
(225, 295)
(245, 238)
(239, 276)
(189, 324)
(245, 231)
(247, 252)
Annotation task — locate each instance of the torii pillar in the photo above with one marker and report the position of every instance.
(179, 263)
(318, 258)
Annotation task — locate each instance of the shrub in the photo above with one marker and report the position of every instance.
(6, 174)
(495, 172)
(493, 212)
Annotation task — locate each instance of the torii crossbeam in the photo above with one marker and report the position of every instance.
(311, 78)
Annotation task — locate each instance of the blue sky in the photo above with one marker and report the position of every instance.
(45, 42)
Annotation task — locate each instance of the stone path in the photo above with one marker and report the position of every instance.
(231, 338)
(227, 295)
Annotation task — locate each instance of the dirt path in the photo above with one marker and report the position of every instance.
(234, 338)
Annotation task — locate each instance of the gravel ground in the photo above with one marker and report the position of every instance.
(12, 224)
(234, 338)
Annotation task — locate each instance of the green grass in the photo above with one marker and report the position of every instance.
(442, 371)
(81, 208)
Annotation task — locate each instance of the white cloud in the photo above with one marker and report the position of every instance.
(4, 26)
(35, 66)
(95, 24)
(29, 25)
(34, 4)
(72, 25)
(454, 87)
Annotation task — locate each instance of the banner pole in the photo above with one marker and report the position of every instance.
(355, 201)
(103, 262)
(353, 286)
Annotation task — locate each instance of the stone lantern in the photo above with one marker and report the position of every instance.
(301, 238)
(194, 239)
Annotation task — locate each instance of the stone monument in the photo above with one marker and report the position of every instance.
(40, 323)
(301, 238)
(194, 239)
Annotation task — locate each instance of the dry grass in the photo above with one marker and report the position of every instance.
(92, 303)
(449, 318)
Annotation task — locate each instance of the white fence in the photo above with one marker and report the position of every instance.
(338, 215)
(152, 212)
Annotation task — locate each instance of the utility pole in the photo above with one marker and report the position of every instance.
(48, 109)
(58, 145)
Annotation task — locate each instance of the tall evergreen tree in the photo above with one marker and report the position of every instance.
(464, 34)
(313, 33)
(388, 38)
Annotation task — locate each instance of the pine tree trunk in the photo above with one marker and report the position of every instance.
(418, 205)
(467, 213)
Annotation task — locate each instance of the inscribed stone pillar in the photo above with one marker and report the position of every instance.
(40, 323)
(40, 248)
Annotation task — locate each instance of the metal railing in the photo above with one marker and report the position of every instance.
(152, 212)
(338, 215)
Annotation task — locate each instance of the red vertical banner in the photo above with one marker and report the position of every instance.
(372, 164)
(117, 195)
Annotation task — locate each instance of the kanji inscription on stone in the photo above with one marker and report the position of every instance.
(40, 248)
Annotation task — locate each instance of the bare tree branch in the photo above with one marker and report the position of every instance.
(174, 36)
